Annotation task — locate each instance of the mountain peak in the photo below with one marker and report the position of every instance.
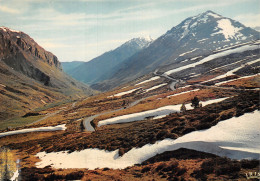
(210, 25)
(211, 13)
(141, 42)
(145, 39)
(206, 16)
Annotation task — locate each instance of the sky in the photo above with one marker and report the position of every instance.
(79, 30)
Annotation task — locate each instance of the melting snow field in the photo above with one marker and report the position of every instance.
(227, 81)
(29, 130)
(236, 138)
(155, 87)
(188, 52)
(227, 29)
(231, 72)
(149, 80)
(124, 93)
(162, 111)
(213, 56)
(184, 92)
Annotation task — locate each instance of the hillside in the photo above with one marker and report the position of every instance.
(99, 68)
(31, 76)
(139, 132)
(197, 36)
(68, 66)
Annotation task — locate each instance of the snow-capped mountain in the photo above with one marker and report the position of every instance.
(140, 42)
(100, 67)
(199, 35)
(207, 32)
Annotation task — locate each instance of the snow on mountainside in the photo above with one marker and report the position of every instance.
(141, 42)
(196, 36)
(226, 27)
(208, 32)
(98, 68)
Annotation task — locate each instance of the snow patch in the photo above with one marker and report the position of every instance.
(183, 93)
(151, 113)
(185, 87)
(189, 52)
(185, 28)
(227, 29)
(231, 72)
(221, 139)
(124, 93)
(149, 80)
(29, 130)
(214, 56)
(204, 39)
(195, 58)
(155, 87)
(244, 77)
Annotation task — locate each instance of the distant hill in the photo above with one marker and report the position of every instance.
(99, 68)
(31, 76)
(68, 66)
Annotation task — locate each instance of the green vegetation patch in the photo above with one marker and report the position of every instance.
(18, 121)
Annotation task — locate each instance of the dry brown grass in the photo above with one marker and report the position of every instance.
(251, 82)
(27, 137)
(202, 78)
(162, 100)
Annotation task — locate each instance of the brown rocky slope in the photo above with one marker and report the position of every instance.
(30, 76)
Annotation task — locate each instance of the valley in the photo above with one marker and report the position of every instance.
(191, 114)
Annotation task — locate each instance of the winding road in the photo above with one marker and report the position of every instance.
(173, 83)
(87, 121)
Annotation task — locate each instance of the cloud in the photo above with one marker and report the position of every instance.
(251, 20)
(136, 13)
(51, 45)
(91, 32)
(8, 10)
(51, 19)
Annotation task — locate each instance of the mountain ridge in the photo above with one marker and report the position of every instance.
(200, 35)
(98, 68)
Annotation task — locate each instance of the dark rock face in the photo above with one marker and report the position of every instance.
(27, 68)
(24, 56)
(20, 52)
(31, 77)
(13, 42)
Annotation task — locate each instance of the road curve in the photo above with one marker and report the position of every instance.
(87, 121)
(173, 83)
